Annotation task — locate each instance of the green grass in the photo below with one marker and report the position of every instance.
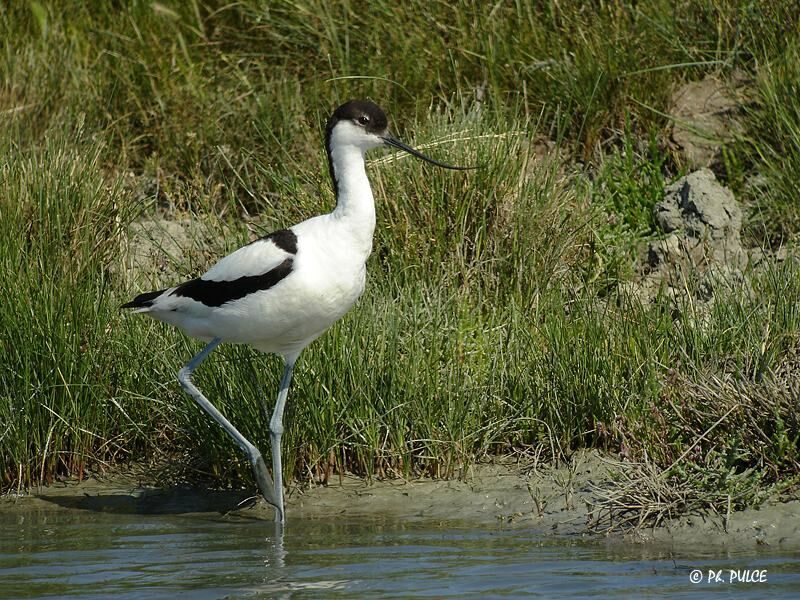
(65, 377)
(493, 319)
(776, 117)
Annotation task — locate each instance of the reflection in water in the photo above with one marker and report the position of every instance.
(62, 552)
(279, 552)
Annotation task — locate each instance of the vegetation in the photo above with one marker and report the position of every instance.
(494, 319)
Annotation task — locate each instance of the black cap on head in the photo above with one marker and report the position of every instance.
(366, 113)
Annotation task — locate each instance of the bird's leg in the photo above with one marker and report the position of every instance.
(275, 433)
(262, 395)
(253, 454)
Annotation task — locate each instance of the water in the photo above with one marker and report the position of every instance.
(57, 553)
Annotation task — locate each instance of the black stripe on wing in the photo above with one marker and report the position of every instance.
(285, 239)
(217, 293)
(143, 300)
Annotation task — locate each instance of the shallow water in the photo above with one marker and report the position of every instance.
(61, 552)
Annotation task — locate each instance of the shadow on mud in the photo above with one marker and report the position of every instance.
(160, 501)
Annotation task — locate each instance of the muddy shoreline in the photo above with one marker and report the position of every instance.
(548, 500)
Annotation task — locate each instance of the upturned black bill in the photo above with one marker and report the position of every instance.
(390, 141)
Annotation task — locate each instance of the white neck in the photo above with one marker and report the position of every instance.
(355, 205)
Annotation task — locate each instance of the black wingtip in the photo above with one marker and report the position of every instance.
(143, 300)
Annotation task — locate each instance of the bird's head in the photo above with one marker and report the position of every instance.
(363, 124)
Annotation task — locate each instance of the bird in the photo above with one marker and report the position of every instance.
(282, 291)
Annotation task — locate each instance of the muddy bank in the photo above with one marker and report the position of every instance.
(545, 499)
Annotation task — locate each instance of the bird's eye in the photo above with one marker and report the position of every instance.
(363, 119)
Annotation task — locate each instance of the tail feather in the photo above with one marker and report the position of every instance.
(143, 300)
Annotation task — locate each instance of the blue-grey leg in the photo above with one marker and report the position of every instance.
(253, 454)
(275, 433)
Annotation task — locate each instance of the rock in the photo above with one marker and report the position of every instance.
(704, 114)
(160, 251)
(663, 251)
(700, 205)
(704, 218)
(702, 253)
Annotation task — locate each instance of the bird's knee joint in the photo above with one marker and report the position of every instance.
(276, 428)
(185, 378)
(255, 455)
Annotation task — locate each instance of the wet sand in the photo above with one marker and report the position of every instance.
(547, 500)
